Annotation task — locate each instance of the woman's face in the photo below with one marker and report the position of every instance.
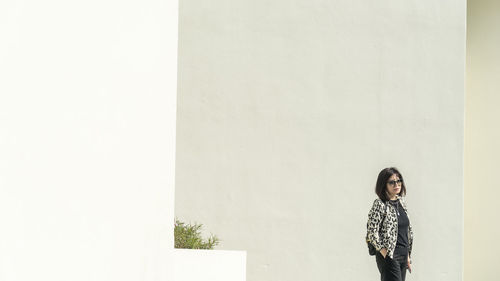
(393, 186)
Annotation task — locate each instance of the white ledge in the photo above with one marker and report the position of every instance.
(209, 265)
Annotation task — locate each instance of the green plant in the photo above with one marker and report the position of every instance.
(188, 236)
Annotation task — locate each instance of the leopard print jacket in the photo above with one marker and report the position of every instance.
(383, 233)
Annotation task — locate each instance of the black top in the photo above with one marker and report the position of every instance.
(403, 224)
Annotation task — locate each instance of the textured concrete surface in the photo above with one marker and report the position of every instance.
(287, 111)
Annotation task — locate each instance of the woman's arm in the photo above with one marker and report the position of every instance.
(375, 217)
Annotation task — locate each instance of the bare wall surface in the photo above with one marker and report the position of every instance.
(87, 140)
(482, 136)
(287, 111)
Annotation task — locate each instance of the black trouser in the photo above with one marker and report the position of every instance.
(393, 269)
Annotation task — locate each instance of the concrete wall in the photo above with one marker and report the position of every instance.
(287, 111)
(87, 139)
(481, 141)
(209, 265)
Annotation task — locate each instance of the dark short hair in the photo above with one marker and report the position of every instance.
(383, 177)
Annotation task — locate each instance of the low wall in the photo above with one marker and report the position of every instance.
(209, 265)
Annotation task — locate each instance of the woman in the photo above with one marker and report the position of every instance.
(388, 229)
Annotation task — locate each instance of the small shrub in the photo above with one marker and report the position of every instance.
(188, 236)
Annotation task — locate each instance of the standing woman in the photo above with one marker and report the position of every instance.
(389, 230)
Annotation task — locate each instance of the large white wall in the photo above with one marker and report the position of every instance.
(287, 111)
(87, 139)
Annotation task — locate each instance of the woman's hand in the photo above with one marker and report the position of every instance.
(409, 264)
(383, 252)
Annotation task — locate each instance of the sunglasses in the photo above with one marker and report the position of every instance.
(392, 183)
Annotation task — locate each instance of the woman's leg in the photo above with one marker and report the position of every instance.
(404, 265)
(392, 269)
(380, 265)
